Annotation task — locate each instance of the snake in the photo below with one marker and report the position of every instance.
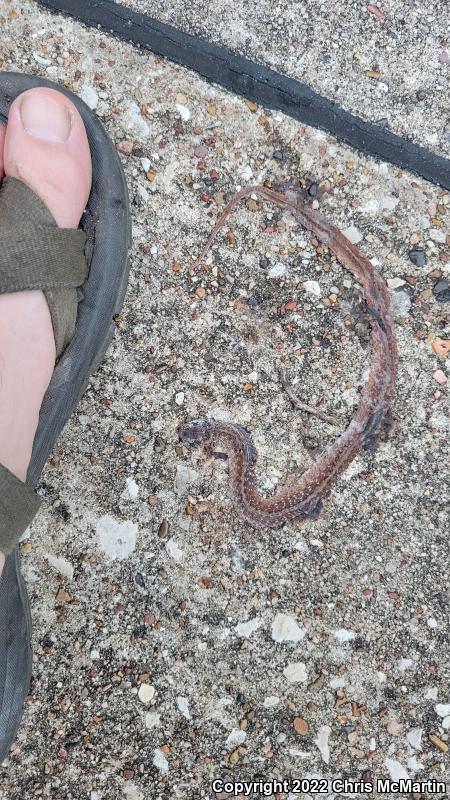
(302, 499)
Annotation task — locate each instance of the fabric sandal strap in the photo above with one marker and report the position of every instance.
(19, 505)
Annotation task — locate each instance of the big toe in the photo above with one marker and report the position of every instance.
(46, 147)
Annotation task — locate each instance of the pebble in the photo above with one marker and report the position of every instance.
(160, 761)
(152, 720)
(179, 398)
(442, 709)
(90, 96)
(44, 62)
(312, 288)
(132, 488)
(245, 629)
(61, 565)
(184, 112)
(441, 346)
(322, 742)
(183, 706)
(246, 172)
(285, 629)
(417, 257)
(146, 693)
(277, 271)
(183, 478)
(173, 550)
(441, 290)
(401, 303)
(440, 377)
(414, 737)
(437, 235)
(353, 234)
(296, 672)
(271, 701)
(396, 770)
(134, 122)
(301, 726)
(235, 738)
(116, 539)
(395, 283)
(343, 635)
(393, 727)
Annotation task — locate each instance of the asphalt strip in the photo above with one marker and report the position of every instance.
(257, 83)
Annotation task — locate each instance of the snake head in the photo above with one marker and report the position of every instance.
(195, 432)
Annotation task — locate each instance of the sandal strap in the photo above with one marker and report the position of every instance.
(19, 505)
(34, 252)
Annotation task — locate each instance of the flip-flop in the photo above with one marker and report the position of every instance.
(106, 224)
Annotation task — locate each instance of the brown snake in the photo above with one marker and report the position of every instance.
(303, 499)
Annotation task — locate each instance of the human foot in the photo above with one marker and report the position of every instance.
(45, 146)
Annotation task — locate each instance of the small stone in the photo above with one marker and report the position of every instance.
(132, 488)
(343, 635)
(146, 164)
(296, 672)
(116, 539)
(235, 738)
(443, 709)
(441, 290)
(62, 596)
(152, 720)
(90, 96)
(417, 257)
(414, 737)
(285, 629)
(246, 172)
(277, 271)
(125, 147)
(301, 726)
(393, 727)
(322, 742)
(441, 346)
(437, 235)
(201, 151)
(160, 761)
(395, 769)
(401, 303)
(183, 706)
(395, 283)
(438, 742)
(173, 550)
(440, 377)
(271, 701)
(179, 398)
(184, 112)
(312, 288)
(251, 105)
(245, 629)
(278, 155)
(146, 693)
(353, 234)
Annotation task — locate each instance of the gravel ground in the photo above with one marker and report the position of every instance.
(174, 643)
(388, 63)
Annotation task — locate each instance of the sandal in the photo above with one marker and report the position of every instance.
(83, 273)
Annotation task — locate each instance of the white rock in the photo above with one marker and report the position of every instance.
(446, 723)
(61, 565)
(285, 629)
(401, 302)
(235, 738)
(353, 234)
(146, 163)
(173, 550)
(413, 764)
(414, 737)
(246, 172)
(183, 706)
(132, 792)
(146, 693)
(179, 398)
(95, 655)
(152, 719)
(396, 770)
(443, 709)
(160, 761)
(296, 672)
(431, 693)
(432, 622)
(132, 488)
(322, 742)
(184, 112)
(271, 701)
(116, 539)
(395, 283)
(338, 682)
(438, 235)
(404, 664)
(44, 62)
(252, 377)
(277, 271)
(134, 122)
(245, 629)
(312, 288)
(90, 96)
(343, 635)
(183, 478)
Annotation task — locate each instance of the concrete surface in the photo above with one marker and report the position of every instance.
(173, 642)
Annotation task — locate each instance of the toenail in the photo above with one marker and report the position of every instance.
(45, 118)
